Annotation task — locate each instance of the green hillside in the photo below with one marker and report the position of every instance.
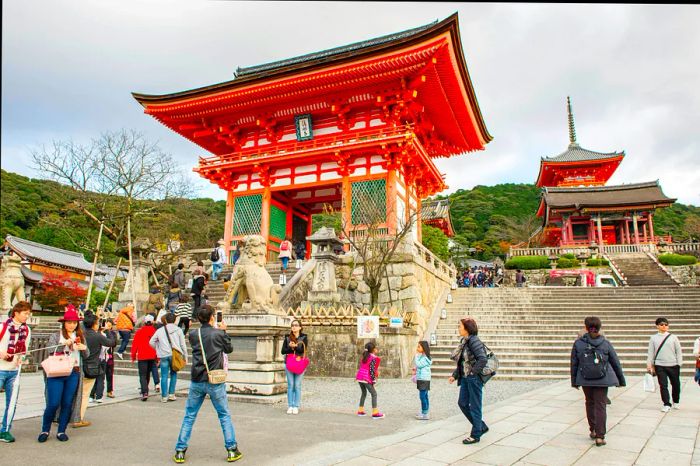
(488, 218)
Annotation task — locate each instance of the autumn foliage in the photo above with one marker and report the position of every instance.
(58, 290)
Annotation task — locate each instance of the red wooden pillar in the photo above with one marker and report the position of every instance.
(309, 230)
(391, 196)
(627, 232)
(564, 230)
(651, 227)
(265, 215)
(419, 221)
(289, 227)
(228, 226)
(644, 229)
(636, 228)
(570, 232)
(601, 241)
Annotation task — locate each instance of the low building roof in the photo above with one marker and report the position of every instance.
(648, 193)
(50, 255)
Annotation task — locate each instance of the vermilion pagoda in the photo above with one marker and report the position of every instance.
(353, 127)
(576, 207)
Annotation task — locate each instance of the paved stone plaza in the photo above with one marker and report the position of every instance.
(543, 426)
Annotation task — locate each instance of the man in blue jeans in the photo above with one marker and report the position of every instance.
(215, 342)
(14, 343)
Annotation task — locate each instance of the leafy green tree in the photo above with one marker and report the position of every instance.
(435, 240)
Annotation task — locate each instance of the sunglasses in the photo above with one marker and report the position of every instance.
(662, 325)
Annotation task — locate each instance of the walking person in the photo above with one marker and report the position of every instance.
(179, 276)
(595, 367)
(367, 376)
(696, 354)
(198, 282)
(125, 326)
(284, 256)
(300, 253)
(183, 313)
(422, 372)
(15, 337)
(664, 359)
(519, 278)
(470, 357)
(163, 341)
(107, 366)
(296, 343)
(92, 368)
(172, 299)
(141, 350)
(218, 259)
(65, 392)
(209, 345)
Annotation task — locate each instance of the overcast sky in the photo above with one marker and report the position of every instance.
(632, 71)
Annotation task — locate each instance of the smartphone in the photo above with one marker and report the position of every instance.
(219, 316)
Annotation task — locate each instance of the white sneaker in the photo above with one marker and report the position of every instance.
(92, 400)
(290, 410)
(665, 409)
(676, 406)
(295, 410)
(99, 400)
(119, 355)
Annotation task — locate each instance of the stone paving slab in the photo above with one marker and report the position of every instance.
(548, 427)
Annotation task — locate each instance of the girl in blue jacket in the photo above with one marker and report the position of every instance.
(422, 375)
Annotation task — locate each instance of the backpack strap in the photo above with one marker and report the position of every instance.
(4, 329)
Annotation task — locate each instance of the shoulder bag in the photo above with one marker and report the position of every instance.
(656, 355)
(296, 364)
(177, 362)
(217, 376)
(58, 365)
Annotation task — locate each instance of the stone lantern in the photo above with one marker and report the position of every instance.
(324, 289)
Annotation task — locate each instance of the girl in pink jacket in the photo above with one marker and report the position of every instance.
(367, 376)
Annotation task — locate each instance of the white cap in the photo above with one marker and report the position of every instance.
(148, 318)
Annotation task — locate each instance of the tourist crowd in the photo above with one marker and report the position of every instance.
(480, 277)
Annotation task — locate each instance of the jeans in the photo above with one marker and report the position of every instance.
(217, 393)
(293, 388)
(663, 374)
(471, 392)
(125, 336)
(168, 378)
(424, 401)
(215, 270)
(596, 398)
(7, 380)
(60, 391)
(108, 375)
(285, 261)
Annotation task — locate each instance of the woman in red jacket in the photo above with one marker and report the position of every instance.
(142, 351)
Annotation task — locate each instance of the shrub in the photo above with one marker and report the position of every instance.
(677, 259)
(528, 262)
(565, 263)
(597, 262)
(568, 255)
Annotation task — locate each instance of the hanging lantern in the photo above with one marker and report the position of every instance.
(443, 314)
(449, 298)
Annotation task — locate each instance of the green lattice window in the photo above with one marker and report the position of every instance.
(368, 202)
(278, 222)
(247, 215)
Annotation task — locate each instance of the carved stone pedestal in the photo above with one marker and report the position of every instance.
(256, 366)
(138, 278)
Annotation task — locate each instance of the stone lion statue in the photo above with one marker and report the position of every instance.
(250, 281)
(11, 280)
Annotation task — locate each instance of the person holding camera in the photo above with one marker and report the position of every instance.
(92, 369)
(210, 344)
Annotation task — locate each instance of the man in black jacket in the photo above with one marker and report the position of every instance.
(94, 341)
(216, 343)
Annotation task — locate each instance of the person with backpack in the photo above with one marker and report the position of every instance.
(178, 277)
(284, 256)
(218, 259)
(471, 359)
(595, 367)
(198, 283)
(519, 278)
(664, 359)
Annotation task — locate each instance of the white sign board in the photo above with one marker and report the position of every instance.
(396, 322)
(368, 327)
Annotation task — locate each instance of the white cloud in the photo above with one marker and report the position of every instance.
(69, 67)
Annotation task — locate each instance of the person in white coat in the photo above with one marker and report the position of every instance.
(218, 264)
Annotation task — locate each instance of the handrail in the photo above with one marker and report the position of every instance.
(618, 274)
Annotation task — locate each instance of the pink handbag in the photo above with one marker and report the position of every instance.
(295, 364)
(58, 365)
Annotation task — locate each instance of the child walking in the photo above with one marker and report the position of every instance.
(367, 376)
(422, 371)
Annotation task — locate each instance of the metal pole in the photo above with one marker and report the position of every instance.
(109, 291)
(131, 265)
(94, 266)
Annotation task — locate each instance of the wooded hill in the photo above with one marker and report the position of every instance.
(488, 218)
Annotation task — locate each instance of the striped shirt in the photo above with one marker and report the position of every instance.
(183, 310)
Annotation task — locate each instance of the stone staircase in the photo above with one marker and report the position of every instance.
(532, 330)
(641, 270)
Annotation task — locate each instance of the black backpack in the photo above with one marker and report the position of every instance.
(214, 255)
(594, 365)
